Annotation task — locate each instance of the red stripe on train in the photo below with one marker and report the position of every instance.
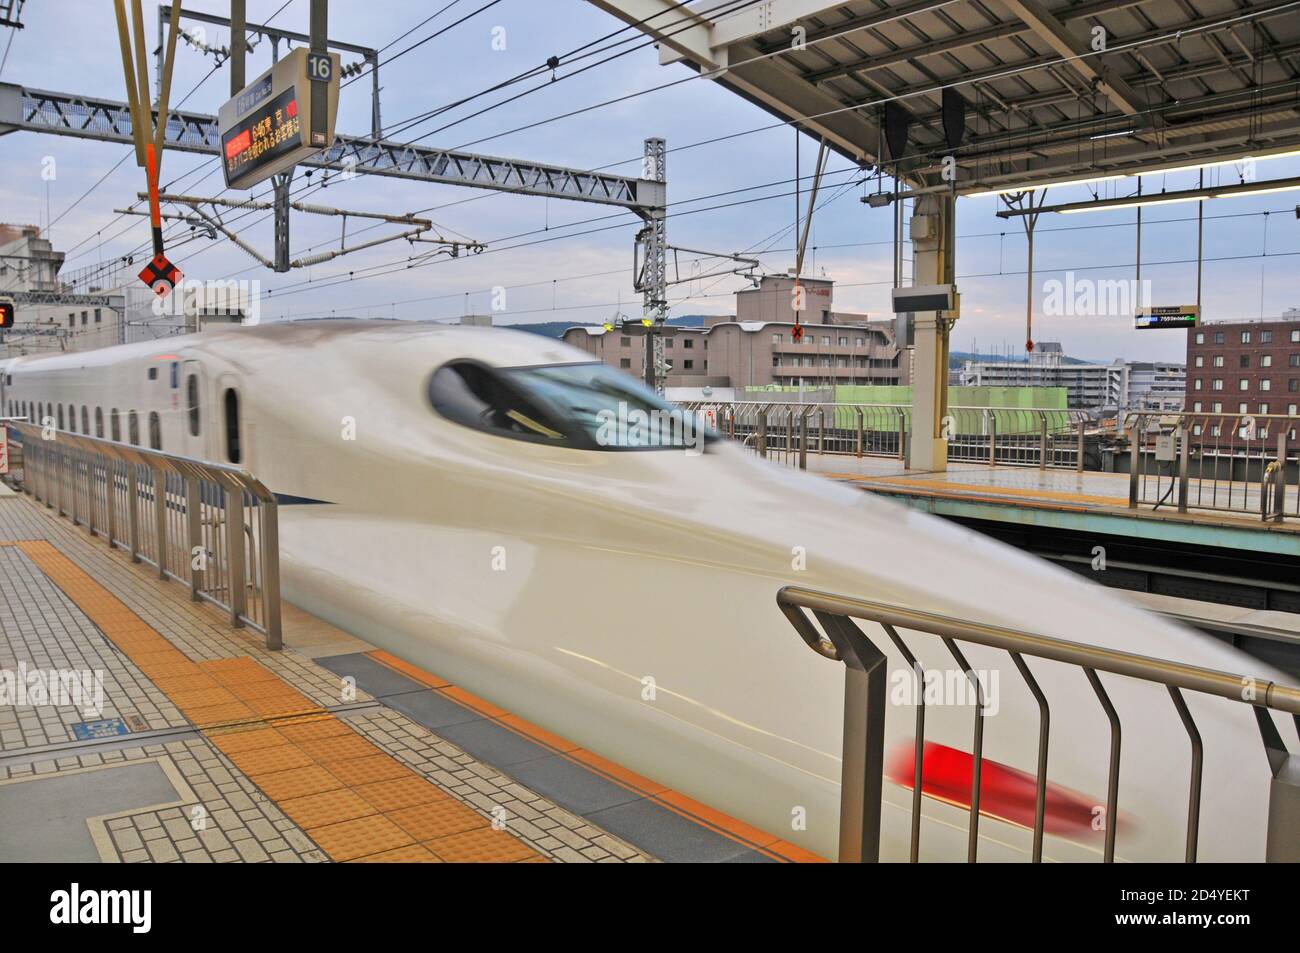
(1005, 792)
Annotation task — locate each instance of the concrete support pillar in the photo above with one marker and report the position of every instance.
(932, 231)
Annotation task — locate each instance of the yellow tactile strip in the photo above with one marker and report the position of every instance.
(357, 802)
(678, 803)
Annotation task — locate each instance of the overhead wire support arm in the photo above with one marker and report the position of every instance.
(107, 120)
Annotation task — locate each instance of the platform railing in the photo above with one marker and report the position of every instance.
(210, 526)
(840, 638)
(1237, 463)
(787, 431)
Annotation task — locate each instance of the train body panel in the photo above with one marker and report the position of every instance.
(626, 599)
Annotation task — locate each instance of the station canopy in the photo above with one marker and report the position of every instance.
(1052, 89)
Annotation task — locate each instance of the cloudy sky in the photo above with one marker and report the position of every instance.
(555, 262)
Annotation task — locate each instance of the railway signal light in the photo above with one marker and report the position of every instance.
(161, 275)
(8, 315)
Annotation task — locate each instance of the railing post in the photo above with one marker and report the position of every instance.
(1042, 440)
(762, 434)
(1135, 458)
(110, 498)
(160, 518)
(1279, 494)
(993, 437)
(1184, 464)
(861, 429)
(1283, 845)
(193, 522)
(270, 558)
(90, 493)
(863, 765)
(902, 435)
(235, 555)
(1078, 464)
(803, 441)
(133, 501)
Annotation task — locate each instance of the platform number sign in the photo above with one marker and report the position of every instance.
(7, 314)
(320, 68)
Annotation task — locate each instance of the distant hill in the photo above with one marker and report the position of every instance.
(556, 329)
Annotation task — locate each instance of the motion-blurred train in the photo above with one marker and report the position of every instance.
(446, 494)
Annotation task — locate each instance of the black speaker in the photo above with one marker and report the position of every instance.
(954, 118)
(897, 121)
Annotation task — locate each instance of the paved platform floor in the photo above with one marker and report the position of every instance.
(149, 730)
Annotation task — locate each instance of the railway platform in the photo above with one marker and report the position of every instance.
(1066, 499)
(142, 727)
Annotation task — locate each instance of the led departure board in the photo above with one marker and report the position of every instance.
(1167, 316)
(283, 117)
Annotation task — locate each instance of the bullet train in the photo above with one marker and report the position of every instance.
(447, 495)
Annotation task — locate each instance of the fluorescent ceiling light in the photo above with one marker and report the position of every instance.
(1137, 203)
(1237, 190)
(1042, 185)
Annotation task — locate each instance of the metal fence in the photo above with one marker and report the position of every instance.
(210, 526)
(787, 432)
(1229, 462)
(865, 693)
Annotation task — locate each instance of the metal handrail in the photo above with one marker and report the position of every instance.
(1215, 453)
(864, 715)
(209, 525)
(1046, 437)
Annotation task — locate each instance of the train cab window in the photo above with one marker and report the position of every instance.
(99, 422)
(234, 452)
(192, 398)
(115, 425)
(133, 427)
(155, 431)
(583, 406)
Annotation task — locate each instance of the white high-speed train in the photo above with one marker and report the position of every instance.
(446, 497)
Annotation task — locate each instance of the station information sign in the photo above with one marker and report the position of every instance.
(281, 118)
(1168, 316)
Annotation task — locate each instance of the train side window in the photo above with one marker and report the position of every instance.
(115, 425)
(155, 431)
(234, 452)
(133, 426)
(99, 422)
(85, 420)
(192, 397)
(60, 416)
(153, 373)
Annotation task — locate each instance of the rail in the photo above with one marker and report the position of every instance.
(1239, 463)
(865, 691)
(1009, 436)
(210, 526)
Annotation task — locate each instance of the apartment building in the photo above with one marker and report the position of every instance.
(1249, 367)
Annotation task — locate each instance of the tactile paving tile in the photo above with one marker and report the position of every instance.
(261, 761)
(415, 854)
(438, 818)
(246, 739)
(312, 729)
(360, 837)
(361, 771)
(484, 846)
(339, 748)
(399, 792)
(298, 782)
(329, 807)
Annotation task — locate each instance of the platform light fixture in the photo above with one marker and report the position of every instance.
(1267, 187)
(1085, 180)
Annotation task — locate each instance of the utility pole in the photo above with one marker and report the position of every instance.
(654, 275)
